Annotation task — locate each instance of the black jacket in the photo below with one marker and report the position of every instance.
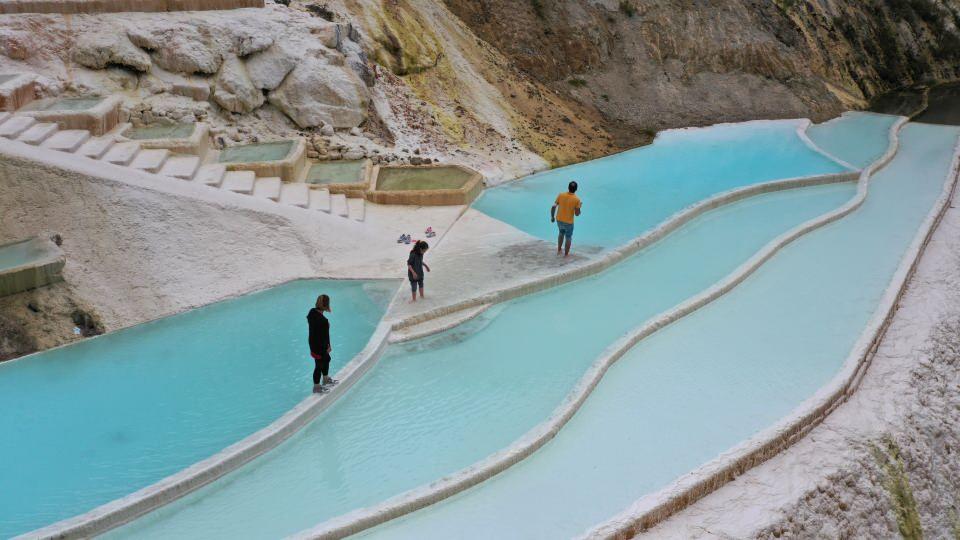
(415, 260)
(319, 331)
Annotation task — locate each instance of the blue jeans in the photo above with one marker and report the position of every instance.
(566, 229)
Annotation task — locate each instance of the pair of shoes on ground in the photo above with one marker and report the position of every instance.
(406, 238)
(325, 387)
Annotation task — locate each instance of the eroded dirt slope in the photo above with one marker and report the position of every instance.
(654, 64)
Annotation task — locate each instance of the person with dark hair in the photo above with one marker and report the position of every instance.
(415, 267)
(565, 207)
(320, 348)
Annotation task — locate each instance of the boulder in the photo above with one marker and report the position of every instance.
(99, 50)
(233, 89)
(328, 34)
(268, 68)
(181, 49)
(196, 90)
(247, 44)
(315, 93)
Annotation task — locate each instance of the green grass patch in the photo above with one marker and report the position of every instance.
(898, 487)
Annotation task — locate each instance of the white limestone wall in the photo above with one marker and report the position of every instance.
(140, 247)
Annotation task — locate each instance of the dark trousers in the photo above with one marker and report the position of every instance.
(322, 366)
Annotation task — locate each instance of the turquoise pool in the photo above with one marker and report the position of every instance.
(714, 378)
(858, 138)
(438, 404)
(626, 194)
(21, 253)
(97, 420)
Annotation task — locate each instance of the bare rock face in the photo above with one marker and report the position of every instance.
(268, 68)
(180, 48)
(315, 93)
(234, 91)
(97, 51)
(17, 45)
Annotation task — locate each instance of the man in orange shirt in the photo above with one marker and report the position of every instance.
(565, 207)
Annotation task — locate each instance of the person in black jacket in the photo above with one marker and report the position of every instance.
(415, 266)
(320, 348)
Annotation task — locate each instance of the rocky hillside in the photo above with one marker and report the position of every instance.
(387, 79)
(665, 63)
(505, 86)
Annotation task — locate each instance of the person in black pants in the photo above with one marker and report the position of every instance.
(320, 348)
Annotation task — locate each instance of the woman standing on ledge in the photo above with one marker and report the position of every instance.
(415, 266)
(320, 348)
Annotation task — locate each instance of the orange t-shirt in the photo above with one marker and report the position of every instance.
(567, 203)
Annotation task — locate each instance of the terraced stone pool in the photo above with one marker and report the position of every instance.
(422, 178)
(91, 422)
(64, 104)
(160, 131)
(628, 193)
(436, 405)
(251, 153)
(336, 172)
(433, 406)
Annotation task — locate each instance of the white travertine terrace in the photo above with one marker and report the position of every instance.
(136, 504)
(653, 509)
(424, 496)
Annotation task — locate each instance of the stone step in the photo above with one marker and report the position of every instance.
(150, 160)
(38, 133)
(357, 209)
(338, 205)
(211, 175)
(96, 147)
(68, 140)
(320, 200)
(295, 194)
(268, 187)
(182, 167)
(13, 127)
(122, 153)
(239, 181)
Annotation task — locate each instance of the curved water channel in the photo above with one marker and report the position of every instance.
(432, 406)
(440, 403)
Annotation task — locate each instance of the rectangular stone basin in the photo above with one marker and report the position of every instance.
(251, 153)
(65, 104)
(16, 90)
(183, 138)
(28, 264)
(340, 176)
(95, 114)
(431, 185)
(285, 159)
(160, 131)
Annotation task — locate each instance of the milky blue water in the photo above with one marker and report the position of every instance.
(21, 253)
(858, 138)
(438, 404)
(700, 386)
(627, 194)
(85, 424)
